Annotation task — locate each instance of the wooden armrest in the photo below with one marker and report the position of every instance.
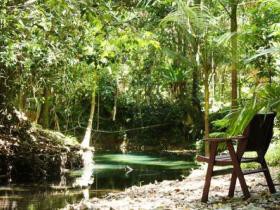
(225, 139)
(201, 158)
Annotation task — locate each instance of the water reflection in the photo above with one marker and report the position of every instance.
(63, 159)
(111, 172)
(86, 178)
(124, 144)
(25, 197)
(120, 171)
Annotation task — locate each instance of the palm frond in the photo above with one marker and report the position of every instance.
(271, 50)
(145, 3)
(175, 55)
(267, 99)
(186, 16)
(224, 38)
(270, 97)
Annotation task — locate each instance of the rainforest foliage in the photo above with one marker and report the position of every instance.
(151, 72)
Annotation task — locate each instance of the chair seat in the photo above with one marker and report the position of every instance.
(224, 160)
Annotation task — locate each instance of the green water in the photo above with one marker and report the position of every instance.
(112, 172)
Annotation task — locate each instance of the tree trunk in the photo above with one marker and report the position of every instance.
(38, 109)
(98, 111)
(114, 113)
(87, 137)
(3, 94)
(4, 84)
(56, 122)
(195, 77)
(44, 118)
(21, 100)
(195, 88)
(222, 96)
(233, 29)
(206, 107)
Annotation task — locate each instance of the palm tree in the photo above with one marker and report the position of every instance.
(196, 24)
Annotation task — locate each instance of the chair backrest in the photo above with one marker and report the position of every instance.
(260, 133)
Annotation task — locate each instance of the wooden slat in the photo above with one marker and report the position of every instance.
(222, 171)
(225, 139)
(246, 172)
(223, 160)
(249, 160)
(201, 158)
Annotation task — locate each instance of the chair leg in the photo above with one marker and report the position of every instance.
(239, 152)
(237, 170)
(207, 183)
(268, 177)
(213, 149)
(232, 184)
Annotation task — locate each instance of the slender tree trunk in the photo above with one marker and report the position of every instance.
(206, 106)
(56, 122)
(115, 104)
(3, 92)
(21, 100)
(234, 50)
(222, 96)
(195, 88)
(214, 78)
(44, 117)
(38, 108)
(239, 90)
(87, 137)
(195, 79)
(195, 76)
(98, 111)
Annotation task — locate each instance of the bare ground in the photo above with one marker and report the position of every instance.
(186, 194)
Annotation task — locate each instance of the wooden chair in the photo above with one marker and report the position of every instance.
(256, 137)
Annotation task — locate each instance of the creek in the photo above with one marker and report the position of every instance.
(111, 172)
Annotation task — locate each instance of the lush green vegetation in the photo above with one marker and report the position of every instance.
(131, 75)
(152, 73)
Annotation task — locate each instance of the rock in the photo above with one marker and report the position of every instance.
(30, 153)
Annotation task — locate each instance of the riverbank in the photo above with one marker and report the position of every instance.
(29, 153)
(186, 194)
